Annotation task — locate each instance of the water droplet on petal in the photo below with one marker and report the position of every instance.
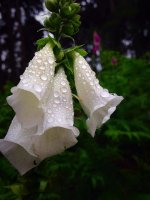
(49, 111)
(79, 75)
(24, 80)
(39, 61)
(64, 89)
(105, 93)
(50, 61)
(83, 66)
(44, 77)
(57, 101)
(63, 83)
(37, 88)
(42, 67)
(56, 94)
(21, 77)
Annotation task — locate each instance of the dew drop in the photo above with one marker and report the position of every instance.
(39, 61)
(54, 105)
(49, 111)
(64, 89)
(105, 93)
(63, 83)
(21, 77)
(56, 94)
(57, 101)
(50, 61)
(24, 80)
(87, 74)
(37, 88)
(96, 81)
(83, 66)
(44, 77)
(42, 67)
(80, 62)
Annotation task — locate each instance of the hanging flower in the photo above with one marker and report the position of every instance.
(28, 94)
(56, 132)
(26, 148)
(96, 101)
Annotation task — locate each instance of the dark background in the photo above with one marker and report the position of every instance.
(115, 20)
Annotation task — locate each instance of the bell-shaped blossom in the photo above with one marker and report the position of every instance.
(57, 132)
(27, 96)
(17, 147)
(26, 148)
(96, 101)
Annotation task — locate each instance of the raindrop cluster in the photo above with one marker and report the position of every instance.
(40, 71)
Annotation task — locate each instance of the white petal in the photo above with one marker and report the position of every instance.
(57, 132)
(17, 147)
(32, 88)
(96, 101)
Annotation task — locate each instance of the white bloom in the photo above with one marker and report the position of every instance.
(28, 94)
(57, 129)
(96, 101)
(26, 148)
(17, 147)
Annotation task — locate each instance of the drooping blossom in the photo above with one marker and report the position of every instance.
(26, 148)
(96, 101)
(28, 94)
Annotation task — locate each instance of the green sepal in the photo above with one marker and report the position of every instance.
(71, 49)
(59, 54)
(42, 42)
(81, 51)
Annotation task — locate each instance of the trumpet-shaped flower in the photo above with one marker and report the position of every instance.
(27, 96)
(17, 146)
(96, 101)
(26, 148)
(57, 129)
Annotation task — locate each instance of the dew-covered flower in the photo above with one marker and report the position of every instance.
(57, 133)
(96, 101)
(26, 148)
(28, 94)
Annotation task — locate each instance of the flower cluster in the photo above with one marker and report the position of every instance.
(42, 101)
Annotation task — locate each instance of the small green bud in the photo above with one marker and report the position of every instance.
(70, 10)
(68, 29)
(52, 5)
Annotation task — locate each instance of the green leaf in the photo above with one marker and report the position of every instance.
(42, 42)
(71, 49)
(82, 52)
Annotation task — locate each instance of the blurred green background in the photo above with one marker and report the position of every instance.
(115, 165)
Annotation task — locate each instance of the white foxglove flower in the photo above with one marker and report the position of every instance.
(17, 147)
(27, 95)
(96, 101)
(26, 148)
(57, 131)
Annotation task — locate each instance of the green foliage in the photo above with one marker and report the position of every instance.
(115, 165)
